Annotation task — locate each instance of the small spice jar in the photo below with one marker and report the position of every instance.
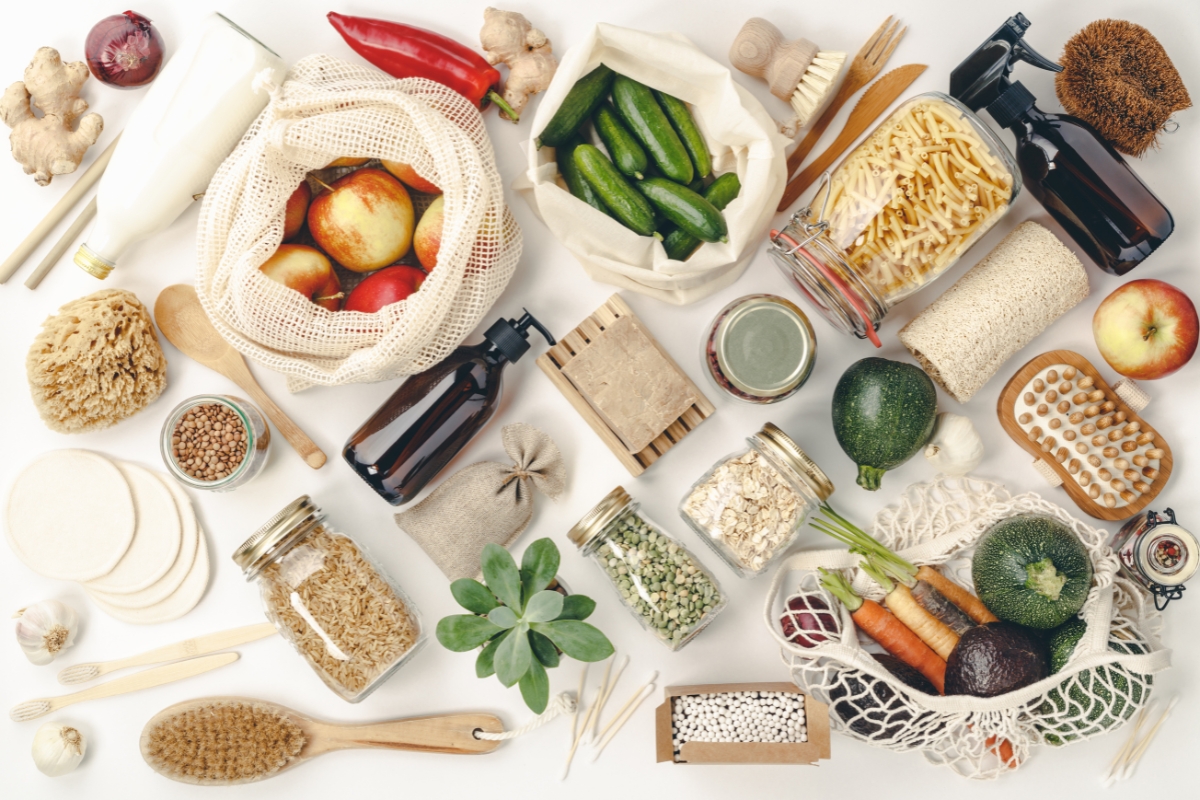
(751, 505)
(662, 584)
(899, 210)
(1158, 554)
(331, 600)
(760, 348)
(214, 442)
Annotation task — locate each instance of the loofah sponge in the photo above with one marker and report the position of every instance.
(95, 363)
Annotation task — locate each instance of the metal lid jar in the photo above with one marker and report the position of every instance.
(899, 210)
(1157, 553)
(662, 584)
(331, 600)
(752, 504)
(760, 349)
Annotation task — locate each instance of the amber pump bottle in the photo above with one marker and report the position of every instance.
(433, 414)
(1080, 178)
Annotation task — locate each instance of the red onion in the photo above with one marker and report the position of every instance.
(808, 621)
(124, 50)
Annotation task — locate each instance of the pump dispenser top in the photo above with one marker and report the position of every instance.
(1082, 181)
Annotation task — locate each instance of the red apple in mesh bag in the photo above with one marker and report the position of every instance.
(1146, 329)
(382, 288)
(406, 173)
(364, 220)
(427, 240)
(306, 270)
(296, 211)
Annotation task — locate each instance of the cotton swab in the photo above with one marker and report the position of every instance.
(591, 735)
(620, 721)
(621, 710)
(1136, 756)
(579, 705)
(1119, 760)
(587, 719)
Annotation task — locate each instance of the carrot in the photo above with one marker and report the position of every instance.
(899, 600)
(892, 634)
(971, 605)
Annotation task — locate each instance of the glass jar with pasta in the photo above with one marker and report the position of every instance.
(898, 211)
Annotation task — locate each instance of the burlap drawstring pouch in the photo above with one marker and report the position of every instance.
(486, 502)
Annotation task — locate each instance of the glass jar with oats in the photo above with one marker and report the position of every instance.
(899, 210)
(752, 504)
(329, 598)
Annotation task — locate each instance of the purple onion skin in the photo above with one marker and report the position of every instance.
(817, 623)
(124, 50)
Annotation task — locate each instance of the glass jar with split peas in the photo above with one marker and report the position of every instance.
(749, 508)
(662, 584)
(243, 419)
(899, 210)
(330, 600)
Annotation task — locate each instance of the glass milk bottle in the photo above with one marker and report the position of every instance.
(191, 118)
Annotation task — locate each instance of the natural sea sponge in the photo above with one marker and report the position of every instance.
(95, 363)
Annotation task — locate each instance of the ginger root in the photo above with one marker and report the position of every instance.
(49, 145)
(508, 38)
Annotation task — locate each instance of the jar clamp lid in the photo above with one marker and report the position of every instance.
(595, 521)
(781, 446)
(280, 532)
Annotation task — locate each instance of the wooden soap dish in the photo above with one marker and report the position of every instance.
(588, 333)
(1111, 461)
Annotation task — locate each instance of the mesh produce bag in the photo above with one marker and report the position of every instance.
(1108, 678)
(326, 109)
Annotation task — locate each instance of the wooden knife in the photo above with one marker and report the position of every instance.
(869, 108)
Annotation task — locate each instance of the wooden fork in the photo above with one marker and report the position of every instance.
(866, 65)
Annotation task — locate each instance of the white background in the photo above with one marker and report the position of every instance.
(552, 286)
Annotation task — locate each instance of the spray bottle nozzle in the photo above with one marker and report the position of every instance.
(983, 76)
(509, 335)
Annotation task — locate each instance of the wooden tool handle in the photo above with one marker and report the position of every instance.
(55, 253)
(448, 733)
(235, 368)
(754, 47)
(199, 646)
(147, 679)
(814, 134)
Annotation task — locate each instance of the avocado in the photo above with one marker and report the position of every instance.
(870, 708)
(905, 674)
(996, 658)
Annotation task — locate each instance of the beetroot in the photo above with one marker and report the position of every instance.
(808, 621)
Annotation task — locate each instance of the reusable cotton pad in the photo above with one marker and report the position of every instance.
(178, 603)
(167, 584)
(156, 537)
(70, 515)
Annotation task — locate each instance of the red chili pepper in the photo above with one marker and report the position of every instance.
(405, 51)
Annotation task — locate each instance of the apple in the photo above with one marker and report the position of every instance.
(382, 288)
(346, 161)
(308, 271)
(406, 173)
(1146, 329)
(427, 240)
(296, 211)
(364, 220)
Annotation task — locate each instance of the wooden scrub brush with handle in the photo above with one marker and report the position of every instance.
(796, 71)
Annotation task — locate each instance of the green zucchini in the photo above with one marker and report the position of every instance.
(883, 414)
(578, 105)
(578, 185)
(680, 244)
(627, 155)
(1062, 640)
(1032, 570)
(624, 201)
(685, 125)
(1104, 696)
(649, 123)
(688, 210)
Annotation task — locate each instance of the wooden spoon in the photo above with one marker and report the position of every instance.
(444, 733)
(182, 320)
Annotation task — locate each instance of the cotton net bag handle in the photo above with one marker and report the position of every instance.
(327, 109)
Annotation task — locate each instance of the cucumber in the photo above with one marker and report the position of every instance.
(577, 106)
(688, 210)
(626, 153)
(649, 123)
(685, 125)
(624, 201)
(575, 181)
(680, 244)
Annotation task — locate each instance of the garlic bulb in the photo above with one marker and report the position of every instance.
(58, 748)
(45, 629)
(955, 447)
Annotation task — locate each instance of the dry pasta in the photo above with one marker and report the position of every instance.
(914, 196)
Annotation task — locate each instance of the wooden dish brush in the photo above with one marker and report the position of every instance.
(1118, 78)
(796, 71)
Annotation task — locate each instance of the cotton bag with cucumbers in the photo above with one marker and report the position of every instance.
(674, 167)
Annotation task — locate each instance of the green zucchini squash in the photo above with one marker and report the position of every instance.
(680, 244)
(627, 155)
(624, 201)
(688, 210)
(649, 123)
(883, 414)
(685, 125)
(576, 183)
(578, 105)
(1102, 696)
(1032, 570)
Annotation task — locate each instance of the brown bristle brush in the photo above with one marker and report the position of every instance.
(1118, 78)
